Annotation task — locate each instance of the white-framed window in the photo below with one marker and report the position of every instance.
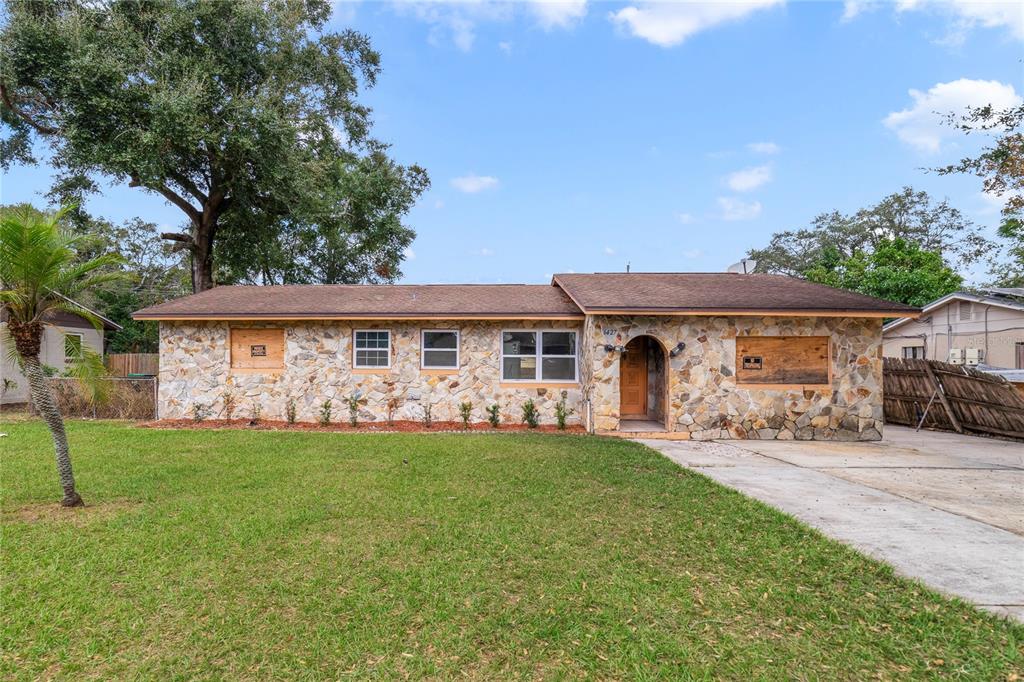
(72, 347)
(913, 352)
(371, 349)
(538, 355)
(439, 349)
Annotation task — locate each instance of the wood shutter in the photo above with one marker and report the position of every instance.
(257, 348)
(794, 360)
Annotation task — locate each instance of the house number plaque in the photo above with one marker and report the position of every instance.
(258, 351)
(752, 362)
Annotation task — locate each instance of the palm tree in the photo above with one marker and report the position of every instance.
(40, 272)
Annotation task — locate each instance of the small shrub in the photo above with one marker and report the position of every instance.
(257, 411)
(353, 410)
(392, 408)
(199, 412)
(289, 411)
(562, 412)
(229, 404)
(427, 419)
(465, 411)
(530, 416)
(325, 413)
(494, 415)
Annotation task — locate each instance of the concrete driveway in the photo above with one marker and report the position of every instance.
(943, 508)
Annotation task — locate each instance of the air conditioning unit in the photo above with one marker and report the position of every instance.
(956, 356)
(974, 356)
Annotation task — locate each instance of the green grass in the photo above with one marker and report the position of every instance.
(233, 554)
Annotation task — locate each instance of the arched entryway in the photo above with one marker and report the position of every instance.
(643, 385)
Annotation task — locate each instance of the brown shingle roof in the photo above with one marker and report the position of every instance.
(410, 301)
(692, 292)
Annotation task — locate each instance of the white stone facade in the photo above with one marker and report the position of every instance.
(703, 399)
(195, 369)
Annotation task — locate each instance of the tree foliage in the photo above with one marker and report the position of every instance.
(242, 114)
(1001, 168)
(909, 215)
(895, 270)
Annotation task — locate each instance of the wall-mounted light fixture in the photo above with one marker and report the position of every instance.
(677, 350)
(613, 349)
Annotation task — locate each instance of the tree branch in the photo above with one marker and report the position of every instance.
(177, 237)
(189, 185)
(172, 197)
(41, 128)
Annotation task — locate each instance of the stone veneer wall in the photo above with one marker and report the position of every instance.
(195, 369)
(704, 399)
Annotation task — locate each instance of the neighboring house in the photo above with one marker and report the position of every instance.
(986, 328)
(64, 336)
(702, 355)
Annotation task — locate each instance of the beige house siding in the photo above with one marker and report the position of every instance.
(943, 328)
(51, 353)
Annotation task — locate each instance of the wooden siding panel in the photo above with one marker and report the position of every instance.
(783, 360)
(257, 348)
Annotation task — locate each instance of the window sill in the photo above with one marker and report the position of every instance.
(256, 370)
(371, 370)
(539, 384)
(437, 371)
(786, 387)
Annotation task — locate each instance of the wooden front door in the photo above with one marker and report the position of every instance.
(633, 379)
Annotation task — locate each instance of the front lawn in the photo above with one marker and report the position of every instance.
(233, 554)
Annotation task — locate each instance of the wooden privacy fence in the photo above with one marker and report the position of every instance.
(951, 398)
(128, 364)
(123, 398)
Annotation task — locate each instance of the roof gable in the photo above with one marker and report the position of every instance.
(997, 301)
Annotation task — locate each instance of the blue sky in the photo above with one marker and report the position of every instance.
(580, 136)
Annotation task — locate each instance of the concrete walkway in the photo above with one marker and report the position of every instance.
(943, 508)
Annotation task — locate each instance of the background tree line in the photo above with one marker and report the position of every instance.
(909, 247)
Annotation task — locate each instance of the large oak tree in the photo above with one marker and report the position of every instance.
(242, 114)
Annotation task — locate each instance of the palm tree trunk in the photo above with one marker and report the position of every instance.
(42, 398)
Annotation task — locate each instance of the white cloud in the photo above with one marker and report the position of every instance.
(609, 251)
(734, 209)
(439, 204)
(964, 15)
(693, 253)
(749, 178)
(853, 8)
(923, 125)
(764, 147)
(472, 183)
(970, 14)
(505, 46)
(408, 253)
(685, 218)
(558, 13)
(457, 21)
(670, 23)
(485, 252)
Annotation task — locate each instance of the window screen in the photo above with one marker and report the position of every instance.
(372, 348)
(440, 349)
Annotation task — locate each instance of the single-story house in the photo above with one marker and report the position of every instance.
(65, 334)
(702, 355)
(985, 328)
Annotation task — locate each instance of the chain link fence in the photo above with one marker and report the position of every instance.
(124, 398)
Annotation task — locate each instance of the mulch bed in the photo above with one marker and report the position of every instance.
(397, 426)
